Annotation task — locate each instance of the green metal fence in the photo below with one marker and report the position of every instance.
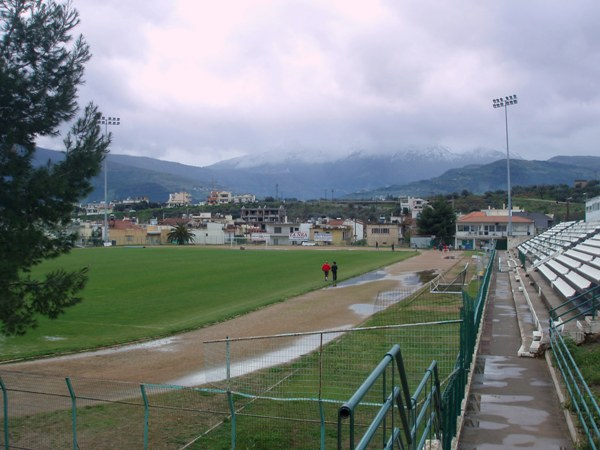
(582, 401)
(405, 421)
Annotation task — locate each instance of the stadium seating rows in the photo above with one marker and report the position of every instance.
(568, 256)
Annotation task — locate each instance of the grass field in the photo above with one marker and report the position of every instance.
(141, 293)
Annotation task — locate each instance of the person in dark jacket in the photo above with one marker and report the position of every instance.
(334, 268)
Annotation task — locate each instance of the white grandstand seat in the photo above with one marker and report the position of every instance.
(549, 274)
(579, 255)
(579, 281)
(592, 242)
(591, 272)
(564, 288)
(558, 267)
(588, 249)
(573, 263)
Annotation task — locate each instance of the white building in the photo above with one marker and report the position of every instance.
(484, 229)
(209, 233)
(244, 198)
(592, 209)
(179, 199)
(414, 205)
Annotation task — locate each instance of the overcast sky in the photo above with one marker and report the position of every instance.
(199, 81)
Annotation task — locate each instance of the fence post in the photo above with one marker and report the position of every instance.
(321, 410)
(146, 415)
(73, 412)
(5, 406)
(229, 396)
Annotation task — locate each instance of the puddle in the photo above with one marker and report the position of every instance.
(161, 345)
(365, 278)
(406, 278)
(363, 309)
(301, 346)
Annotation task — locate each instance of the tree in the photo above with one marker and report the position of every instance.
(40, 69)
(438, 219)
(180, 234)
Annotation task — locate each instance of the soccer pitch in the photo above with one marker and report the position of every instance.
(147, 292)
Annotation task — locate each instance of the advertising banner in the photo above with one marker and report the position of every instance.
(323, 237)
(298, 236)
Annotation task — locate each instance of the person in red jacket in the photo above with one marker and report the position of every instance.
(326, 268)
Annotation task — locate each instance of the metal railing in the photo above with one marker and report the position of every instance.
(582, 401)
(430, 414)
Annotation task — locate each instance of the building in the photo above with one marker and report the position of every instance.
(219, 197)
(127, 232)
(383, 234)
(542, 221)
(284, 233)
(332, 232)
(179, 199)
(592, 209)
(357, 227)
(210, 233)
(413, 205)
(485, 229)
(260, 215)
(244, 198)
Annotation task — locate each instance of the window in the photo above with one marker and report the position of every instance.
(380, 231)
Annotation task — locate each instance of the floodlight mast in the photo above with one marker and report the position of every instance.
(106, 121)
(504, 103)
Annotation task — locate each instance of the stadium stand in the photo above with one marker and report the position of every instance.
(567, 258)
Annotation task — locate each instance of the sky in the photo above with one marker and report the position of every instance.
(200, 81)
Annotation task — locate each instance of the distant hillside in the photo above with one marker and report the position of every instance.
(305, 177)
(587, 162)
(413, 171)
(283, 175)
(134, 176)
(479, 179)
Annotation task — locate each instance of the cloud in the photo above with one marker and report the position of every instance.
(197, 81)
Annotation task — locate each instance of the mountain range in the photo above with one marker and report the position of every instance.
(413, 171)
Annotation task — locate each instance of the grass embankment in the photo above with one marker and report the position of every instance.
(141, 293)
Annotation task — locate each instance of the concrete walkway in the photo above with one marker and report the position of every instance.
(513, 403)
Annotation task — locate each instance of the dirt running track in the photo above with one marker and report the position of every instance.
(170, 359)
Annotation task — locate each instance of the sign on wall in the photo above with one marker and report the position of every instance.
(323, 237)
(298, 236)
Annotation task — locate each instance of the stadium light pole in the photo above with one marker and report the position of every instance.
(504, 103)
(106, 121)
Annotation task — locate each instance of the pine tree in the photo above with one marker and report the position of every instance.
(41, 67)
(438, 219)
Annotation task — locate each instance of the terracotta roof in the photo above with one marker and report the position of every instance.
(481, 217)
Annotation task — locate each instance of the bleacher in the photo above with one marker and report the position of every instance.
(567, 256)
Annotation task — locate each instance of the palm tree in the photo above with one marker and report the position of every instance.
(180, 234)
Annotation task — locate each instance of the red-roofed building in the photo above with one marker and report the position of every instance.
(484, 229)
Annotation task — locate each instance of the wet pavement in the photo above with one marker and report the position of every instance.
(512, 403)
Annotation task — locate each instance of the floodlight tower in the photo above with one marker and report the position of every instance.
(504, 103)
(106, 121)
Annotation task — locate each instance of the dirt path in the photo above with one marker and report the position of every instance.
(173, 358)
